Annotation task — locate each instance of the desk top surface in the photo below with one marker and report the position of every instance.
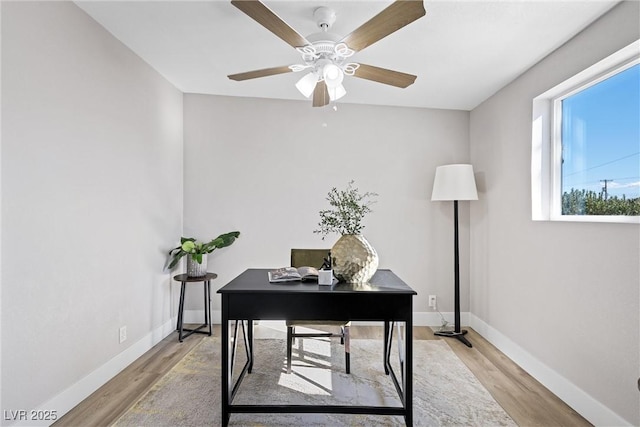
(256, 280)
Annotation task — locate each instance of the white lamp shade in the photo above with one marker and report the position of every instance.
(337, 92)
(307, 84)
(454, 182)
(332, 75)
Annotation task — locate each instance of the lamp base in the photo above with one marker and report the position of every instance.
(453, 334)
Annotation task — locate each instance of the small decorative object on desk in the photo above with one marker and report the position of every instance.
(325, 274)
(354, 259)
(291, 274)
(327, 262)
(325, 277)
(197, 252)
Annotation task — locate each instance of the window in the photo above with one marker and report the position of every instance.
(586, 144)
(600, 146)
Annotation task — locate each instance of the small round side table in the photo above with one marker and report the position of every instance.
(206, 281)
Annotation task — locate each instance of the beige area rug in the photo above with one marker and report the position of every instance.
(446, 393)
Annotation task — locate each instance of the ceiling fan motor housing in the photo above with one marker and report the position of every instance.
(325, 17)
(323, 42)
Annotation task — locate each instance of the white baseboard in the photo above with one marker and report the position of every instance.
(197, 316)
(591, 409)
(594, 411)
(76, 393)
(430, 318)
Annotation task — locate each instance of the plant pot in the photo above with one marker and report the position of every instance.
(194, 269)
(354, 259)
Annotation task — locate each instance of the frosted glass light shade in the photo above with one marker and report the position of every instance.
(454, 182)
(336, 92)
(307, 84)
(332, 75)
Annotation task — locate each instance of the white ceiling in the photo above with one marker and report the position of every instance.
(461, 51)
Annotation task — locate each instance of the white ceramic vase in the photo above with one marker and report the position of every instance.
(194, 269)
(354, 259)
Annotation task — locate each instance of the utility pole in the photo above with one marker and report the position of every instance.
(604, 189)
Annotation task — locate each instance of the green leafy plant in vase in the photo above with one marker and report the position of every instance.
(354, 259)
(197, 252)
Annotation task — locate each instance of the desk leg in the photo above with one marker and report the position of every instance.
(408, 372)
(250, 346)
(404, 384)
(226, 364)
(207, 305)
(234, 346)
(386, 353)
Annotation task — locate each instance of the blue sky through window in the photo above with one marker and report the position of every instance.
(601, 136)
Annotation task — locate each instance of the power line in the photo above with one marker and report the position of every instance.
(602, 164)
(612, 179)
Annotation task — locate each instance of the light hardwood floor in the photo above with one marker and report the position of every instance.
(522, 397)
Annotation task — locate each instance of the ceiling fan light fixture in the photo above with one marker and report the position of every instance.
(350, 68)
(332, 75)
(307, 84)
(337, 92)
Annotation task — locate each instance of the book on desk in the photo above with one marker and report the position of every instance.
(292, 274)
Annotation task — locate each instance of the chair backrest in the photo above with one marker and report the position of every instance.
(308, 257)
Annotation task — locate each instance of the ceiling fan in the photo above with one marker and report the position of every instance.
(325, 55)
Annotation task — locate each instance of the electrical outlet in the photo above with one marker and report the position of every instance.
(432, 301)
(123, 334)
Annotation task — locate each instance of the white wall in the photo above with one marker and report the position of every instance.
(92, 197)
(91, 200)
(564, 294)
(264, 167)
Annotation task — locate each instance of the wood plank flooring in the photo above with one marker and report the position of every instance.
(527, 401)
(109, 402)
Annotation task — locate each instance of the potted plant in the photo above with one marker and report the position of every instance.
(197, 251)
(354, 259)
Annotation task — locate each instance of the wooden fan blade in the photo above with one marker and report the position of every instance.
(320, 94)
(272, 22)
(383, 75)
(391, 19)
(259, 73)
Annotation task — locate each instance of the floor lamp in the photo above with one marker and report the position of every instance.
(453, 183)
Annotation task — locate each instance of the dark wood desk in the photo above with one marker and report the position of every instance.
(385, 298)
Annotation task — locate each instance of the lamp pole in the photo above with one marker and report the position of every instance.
(456, 271)
(457, 332)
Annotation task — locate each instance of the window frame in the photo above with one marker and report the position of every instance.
(546, 162)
